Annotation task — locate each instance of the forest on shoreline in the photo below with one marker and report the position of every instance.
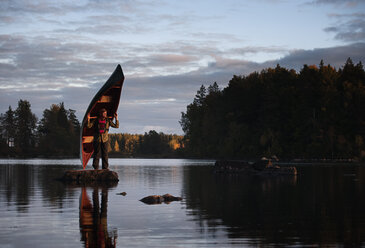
(316, 113)
(57, 135)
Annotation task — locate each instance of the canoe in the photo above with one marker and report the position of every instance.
(107, 97)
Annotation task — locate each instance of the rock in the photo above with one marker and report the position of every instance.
(170, 198)
(152, 199)
(262, 167)
(158, 199)
(90, 176)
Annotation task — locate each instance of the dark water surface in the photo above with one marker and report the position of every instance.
(324, 206)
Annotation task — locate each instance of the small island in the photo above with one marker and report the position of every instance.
(262, 167)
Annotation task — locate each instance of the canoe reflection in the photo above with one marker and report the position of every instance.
(93, 219)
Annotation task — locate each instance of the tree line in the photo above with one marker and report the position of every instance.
(318, 112)
(151, 144)
(57, 134)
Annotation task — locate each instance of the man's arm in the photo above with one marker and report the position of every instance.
(89, 123)
(116, 124)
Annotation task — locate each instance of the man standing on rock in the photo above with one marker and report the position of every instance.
(100, 127)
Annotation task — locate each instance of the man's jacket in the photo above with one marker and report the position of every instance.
(101, 136)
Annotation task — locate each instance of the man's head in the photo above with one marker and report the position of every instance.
(103, 113)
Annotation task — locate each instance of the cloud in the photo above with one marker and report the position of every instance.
(48, 61)
(152, 101)
(53, 52)
(171, 58)
(348, 3)
(348, 27)
(6, 20)
(65, 6)
(336, 56)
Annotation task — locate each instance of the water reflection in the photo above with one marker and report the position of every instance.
(19, 184)
(94, 219)
(322, 206)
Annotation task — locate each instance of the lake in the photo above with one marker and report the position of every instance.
(324, 205)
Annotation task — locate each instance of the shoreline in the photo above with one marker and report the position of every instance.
(280, 162)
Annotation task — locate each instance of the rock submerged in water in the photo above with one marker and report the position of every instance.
(89, 176)
(261, 167)
(158, 199)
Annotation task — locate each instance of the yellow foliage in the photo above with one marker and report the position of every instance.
(116, 146)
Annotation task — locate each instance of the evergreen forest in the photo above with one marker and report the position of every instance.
(316, 113)
(57, 135)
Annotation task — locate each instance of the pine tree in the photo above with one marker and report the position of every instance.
(59, 132)
(213, 88)
(25, 127)
(8, 127)
(200, 96)
(75, 124)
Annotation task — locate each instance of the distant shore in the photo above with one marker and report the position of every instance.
(281, 161)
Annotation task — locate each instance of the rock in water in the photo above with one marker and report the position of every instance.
(170, 198)
(152, 199)
(158, 199)
(87, 176)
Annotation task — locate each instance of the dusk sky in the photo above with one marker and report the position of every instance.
(64, 51)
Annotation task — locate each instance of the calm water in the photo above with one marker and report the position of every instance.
(323, 206)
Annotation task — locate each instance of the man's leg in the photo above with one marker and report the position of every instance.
(104, 154)
(96, 155)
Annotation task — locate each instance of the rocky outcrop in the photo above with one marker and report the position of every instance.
(158, 199)
(262, 167)
(90, 176)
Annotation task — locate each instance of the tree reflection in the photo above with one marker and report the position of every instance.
(93, 219)
(324, 205)
(20, 182)
(17, 185)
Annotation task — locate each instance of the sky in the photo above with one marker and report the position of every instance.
(64, 51)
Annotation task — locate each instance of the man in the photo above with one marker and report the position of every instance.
(101, 126)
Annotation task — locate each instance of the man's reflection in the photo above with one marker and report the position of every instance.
(93, 219)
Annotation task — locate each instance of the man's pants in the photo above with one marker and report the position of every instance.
(100, 148)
